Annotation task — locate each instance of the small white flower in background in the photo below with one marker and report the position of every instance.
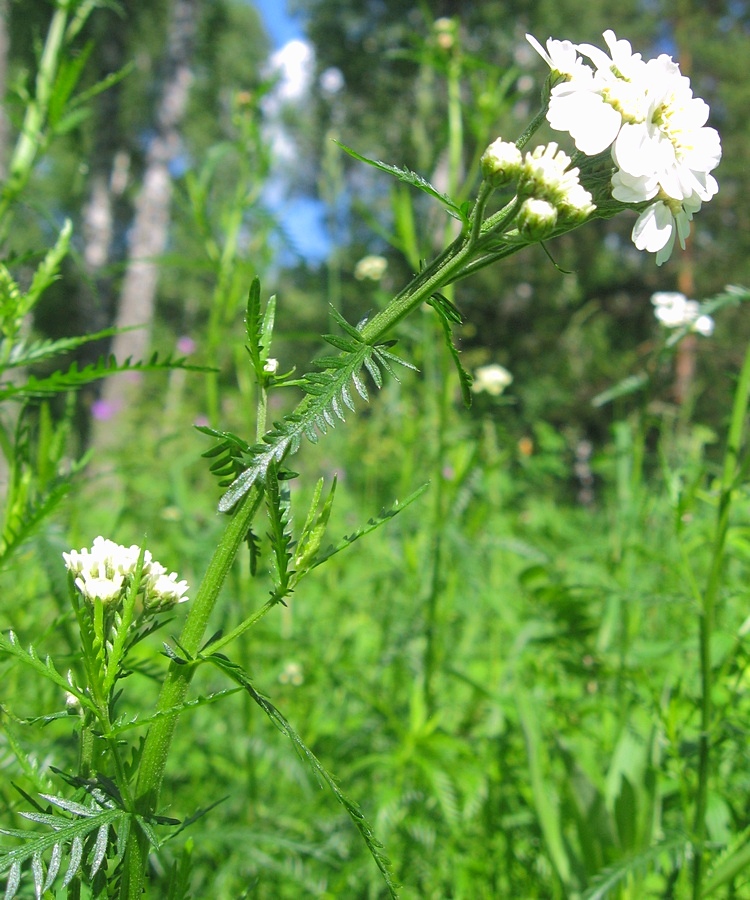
(370, 268)
(646, 113)
(292, 673)
(491, 379)
(271, 366)
(101, 574)
(674, 310)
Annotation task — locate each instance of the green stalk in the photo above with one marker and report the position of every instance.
(439, 354)
(173, 693)
(446, 268)
(708, 616)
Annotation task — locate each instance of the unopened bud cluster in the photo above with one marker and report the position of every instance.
(104, 573)
(543, 179)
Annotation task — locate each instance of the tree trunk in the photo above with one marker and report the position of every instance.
(150, 228)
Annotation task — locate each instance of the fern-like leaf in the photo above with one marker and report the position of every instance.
(84, 835)
(228, 454)
(237, 674)
(28, 353)
(9, 644)
(313, 415)
(411, 178)
(328, 392)
(444, 310)
(75, 377)
(607, 880)
(20, 528)
(277, 504)
(371, 525)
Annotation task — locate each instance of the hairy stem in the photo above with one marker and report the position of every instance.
(174, 691)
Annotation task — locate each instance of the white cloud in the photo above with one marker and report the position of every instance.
(293, 64)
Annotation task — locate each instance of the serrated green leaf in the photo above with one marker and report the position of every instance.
(53, 868)
(360, 386)
(409, 177)
(76, 855)
(374, 371)
(26, 354)
(464, 378)
(253, 326)
(9, 644)
(340, 343)
(371, 525)
(76, 809)
(445, 309)
(14, 880)
(330, 362)
(314, 528)
(100, 849)
(344, 325)
(74, 378)
(236, 673)
(266, 331)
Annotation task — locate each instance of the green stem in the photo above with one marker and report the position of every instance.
(444, 269)
(535, 123)
(173, 693)
(708, 615)
(243, 626)
(31, 137)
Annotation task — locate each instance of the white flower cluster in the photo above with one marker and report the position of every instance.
(550, 187)
(371, 268)
(645, 111)
(545, 174)
(102, 572)
(674, 310)
(491, 379)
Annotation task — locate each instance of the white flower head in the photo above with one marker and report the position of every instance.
(645, 111)
(99, 587)
(562, 57)
(105, 571)
(164, 591)
(491, 379)
(674, 310)
(659, 224)
(371, 268)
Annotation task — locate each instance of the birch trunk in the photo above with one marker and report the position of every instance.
(150, 230)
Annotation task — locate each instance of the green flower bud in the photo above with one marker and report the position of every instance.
(501, 163)
(536, 219)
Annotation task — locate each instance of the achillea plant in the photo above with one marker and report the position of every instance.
(641, 143)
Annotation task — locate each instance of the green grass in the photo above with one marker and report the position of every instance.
(514, 719)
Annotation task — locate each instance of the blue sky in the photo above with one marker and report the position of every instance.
(281, 26)
(302, 217)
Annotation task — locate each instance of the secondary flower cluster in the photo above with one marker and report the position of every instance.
(104, 572)
(645, 112)
(674, 310)
(549, 188)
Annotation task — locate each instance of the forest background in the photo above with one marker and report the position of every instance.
(506, 676)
